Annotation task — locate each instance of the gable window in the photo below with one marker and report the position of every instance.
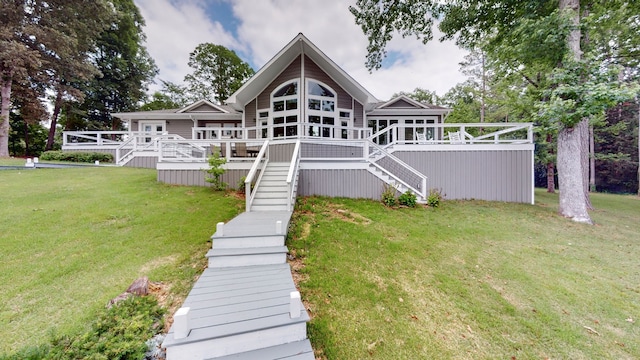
(284, 106)
(321, 111)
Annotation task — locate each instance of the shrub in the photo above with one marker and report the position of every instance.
(434, 198)
(216, 170)
(388, 196)
(76, 156)
(407, 199)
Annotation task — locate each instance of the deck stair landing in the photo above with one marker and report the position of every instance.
(240, 307)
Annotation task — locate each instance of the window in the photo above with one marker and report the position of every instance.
(321, 112)
(285, 111)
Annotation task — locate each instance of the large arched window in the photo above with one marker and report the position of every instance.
(284, 109)
(321, 110)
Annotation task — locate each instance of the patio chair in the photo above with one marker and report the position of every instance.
(241, 150)
(422, 138)
(455, 137)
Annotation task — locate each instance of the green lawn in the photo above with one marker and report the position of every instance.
(470, 280)
(74, 238)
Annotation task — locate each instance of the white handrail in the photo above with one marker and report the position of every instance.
(420, 189)
(249, 194)
(293, 171)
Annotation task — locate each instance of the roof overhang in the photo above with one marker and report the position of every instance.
(299, 45)
(176, 116)
(407, 112)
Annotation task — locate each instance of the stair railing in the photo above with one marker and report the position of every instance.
(261, 159)
(397, 169)
(292, 177)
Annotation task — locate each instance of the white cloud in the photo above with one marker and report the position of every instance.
(175, 28)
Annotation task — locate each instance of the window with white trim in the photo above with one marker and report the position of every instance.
(322, 111)
(284, 111)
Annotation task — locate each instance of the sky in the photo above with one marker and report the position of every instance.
(257, 29)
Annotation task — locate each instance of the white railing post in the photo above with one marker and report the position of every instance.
(294, 304)
(181, 323)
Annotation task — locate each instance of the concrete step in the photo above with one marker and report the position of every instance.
(247, 241)
(299, 350)
(272, 183)
(222, 258)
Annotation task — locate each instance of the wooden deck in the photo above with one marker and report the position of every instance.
(241, 306)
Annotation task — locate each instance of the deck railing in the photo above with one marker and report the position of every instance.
(95, 138)
(397, 169)
(459, 133)
(260, 163)
(141, 142)
(292, 177)
(185, 150)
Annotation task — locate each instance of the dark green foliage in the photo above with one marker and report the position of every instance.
(434, 198)
(83, 157)
(116, 333)
(215, 171)
(388, 196)
(407, 199)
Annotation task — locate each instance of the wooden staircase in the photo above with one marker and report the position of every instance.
(271, 194)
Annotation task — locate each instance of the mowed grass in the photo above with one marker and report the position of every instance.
(71, 239)
(470, 280)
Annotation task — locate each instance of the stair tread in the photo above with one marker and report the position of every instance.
(298, 350)
(247, 251)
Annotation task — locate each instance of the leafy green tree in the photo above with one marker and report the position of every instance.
(218, 73)
(126, 71)
(421, 95)
(38, 37)
(537, 36)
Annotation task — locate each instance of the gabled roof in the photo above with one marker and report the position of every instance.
(199, 110)
(299, 45)
(407, 106)
(202, 105)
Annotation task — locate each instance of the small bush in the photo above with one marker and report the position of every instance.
(81, 157)
(215, 171)
(434, 198)
(388, 196)
(117, 333)
(407, 199)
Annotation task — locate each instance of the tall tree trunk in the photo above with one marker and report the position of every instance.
(574, 193)
(551, 169)
(54, 121)
(583, 126)
(27, 151)
(638, 101)
(570, 179)
(592, 160)
(5, 96)
(551, 177)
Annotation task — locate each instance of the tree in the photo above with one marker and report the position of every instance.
(218, 73)
(126, 70)
(421, 95)
(36, 38)
(522, 34)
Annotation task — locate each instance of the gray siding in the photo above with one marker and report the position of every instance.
(291, 72)
(281, 152)
(148, 162)
(197, 177)
(352, 183)
(180, 127)
(494, 175)
(358, 115)
(316, 150)
(313, 71)
(250, 115)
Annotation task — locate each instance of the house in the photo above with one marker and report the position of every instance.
(328, 135)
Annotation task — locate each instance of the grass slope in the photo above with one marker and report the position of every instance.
(74, 238)
(470, 280)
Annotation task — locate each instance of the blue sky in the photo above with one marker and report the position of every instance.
(258, 29)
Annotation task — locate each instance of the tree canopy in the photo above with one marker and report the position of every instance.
(568, 52)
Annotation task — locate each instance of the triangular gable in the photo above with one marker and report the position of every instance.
(404, 102)
(296, 47)
(202, 106)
